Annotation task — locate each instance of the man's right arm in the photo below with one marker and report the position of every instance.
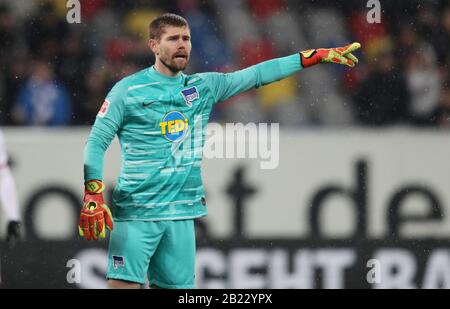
(95, 215)
(108, 122)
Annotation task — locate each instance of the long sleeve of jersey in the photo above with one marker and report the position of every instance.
(108, 122)
(227, 85)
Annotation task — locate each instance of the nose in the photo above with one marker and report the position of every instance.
(182, 44)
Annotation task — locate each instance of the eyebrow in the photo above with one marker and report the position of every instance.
(178, 35)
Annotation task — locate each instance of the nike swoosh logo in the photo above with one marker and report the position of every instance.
(145, 104)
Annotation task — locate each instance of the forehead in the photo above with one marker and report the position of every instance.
(171, 31)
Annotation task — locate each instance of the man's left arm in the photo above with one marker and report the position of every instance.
(224, 86)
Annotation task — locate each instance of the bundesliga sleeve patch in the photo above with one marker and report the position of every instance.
(104, 109)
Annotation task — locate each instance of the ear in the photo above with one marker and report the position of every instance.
(154, 46)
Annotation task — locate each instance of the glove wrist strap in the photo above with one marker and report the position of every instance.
(94, 187)
(309, 58)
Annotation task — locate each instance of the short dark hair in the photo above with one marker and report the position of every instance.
(158, 25)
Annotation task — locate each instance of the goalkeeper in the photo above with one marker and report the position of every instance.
(156, 114)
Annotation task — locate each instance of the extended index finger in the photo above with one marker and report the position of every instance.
(351, 48)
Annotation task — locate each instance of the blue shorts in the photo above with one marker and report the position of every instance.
(162, 251)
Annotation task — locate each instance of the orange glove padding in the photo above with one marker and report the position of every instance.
(341, 55)
(95, 215)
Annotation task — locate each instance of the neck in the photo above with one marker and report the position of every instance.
(163, 69)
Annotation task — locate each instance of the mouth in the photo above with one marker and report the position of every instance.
(180, 56)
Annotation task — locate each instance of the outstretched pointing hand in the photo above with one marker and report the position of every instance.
(340, 55)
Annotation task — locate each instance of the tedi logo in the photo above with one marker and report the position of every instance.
(174, 125)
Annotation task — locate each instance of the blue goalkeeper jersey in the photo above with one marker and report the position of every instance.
(160, 122)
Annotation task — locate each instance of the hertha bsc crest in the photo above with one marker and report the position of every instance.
(190, 95)
(118, 261)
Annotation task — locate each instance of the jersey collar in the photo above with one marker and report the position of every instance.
(164, 78)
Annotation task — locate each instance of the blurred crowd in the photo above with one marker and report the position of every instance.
(53, 73)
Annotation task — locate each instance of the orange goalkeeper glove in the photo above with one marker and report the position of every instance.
(341, 55)
(95, 216)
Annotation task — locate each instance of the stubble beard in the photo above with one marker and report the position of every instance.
(173, 67)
